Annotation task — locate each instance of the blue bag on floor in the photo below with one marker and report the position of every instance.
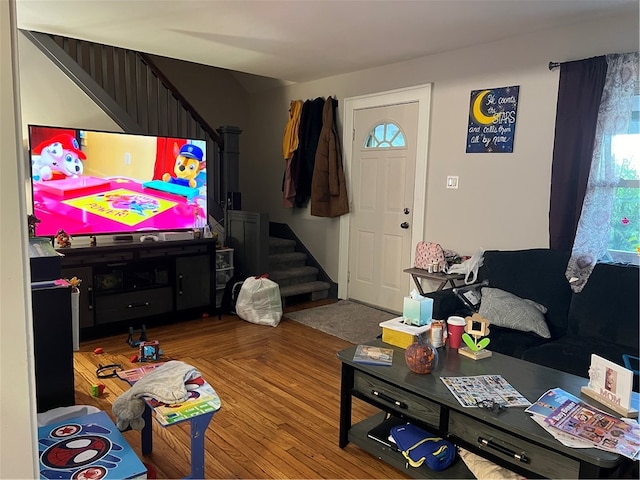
(419, 446)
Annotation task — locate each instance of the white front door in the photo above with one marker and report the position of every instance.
(387, 191)
(373, 257)
(383, 169)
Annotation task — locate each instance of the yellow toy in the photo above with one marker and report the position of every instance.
(188, 164)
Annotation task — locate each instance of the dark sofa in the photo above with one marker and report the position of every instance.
(602, 319)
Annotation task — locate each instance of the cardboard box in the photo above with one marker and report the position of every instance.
(398, 333)
(418, 311)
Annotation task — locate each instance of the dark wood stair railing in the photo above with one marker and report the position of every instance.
(130, 88)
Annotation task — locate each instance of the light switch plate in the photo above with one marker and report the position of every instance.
(452, 181)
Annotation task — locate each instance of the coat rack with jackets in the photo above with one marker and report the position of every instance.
(312, 152)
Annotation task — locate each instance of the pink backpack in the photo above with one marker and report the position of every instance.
(428, 253)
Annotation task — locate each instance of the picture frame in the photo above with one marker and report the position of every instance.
(610, 384)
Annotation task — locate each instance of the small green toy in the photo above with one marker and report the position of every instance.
(476, 327)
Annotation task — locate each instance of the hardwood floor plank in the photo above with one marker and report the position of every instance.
(280, 393)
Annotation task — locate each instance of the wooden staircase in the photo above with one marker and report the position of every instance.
(136, 95)
(298, 281)
(261, 246)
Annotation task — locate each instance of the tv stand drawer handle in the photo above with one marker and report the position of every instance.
(139, 304)
(387, 398)
(504, 450)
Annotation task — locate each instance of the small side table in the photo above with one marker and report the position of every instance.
(198, 426)
(193, 412)
(443, 278)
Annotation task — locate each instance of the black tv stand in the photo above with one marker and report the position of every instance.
(125, 284)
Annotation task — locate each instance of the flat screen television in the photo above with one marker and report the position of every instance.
(89, 182)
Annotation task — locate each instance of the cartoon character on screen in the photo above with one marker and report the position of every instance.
(189, 163)
(58, 158)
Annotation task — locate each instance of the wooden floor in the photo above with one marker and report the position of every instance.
(280, 392)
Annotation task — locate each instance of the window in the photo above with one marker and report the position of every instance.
(607, 227)
(385, 135)
(624, 236)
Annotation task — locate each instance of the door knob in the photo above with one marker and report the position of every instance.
(404, 225)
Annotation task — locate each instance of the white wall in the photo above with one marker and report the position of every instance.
(48, 97)
(214, 92)
(18, 437)
(503, 199)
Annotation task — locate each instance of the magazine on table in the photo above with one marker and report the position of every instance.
(545, 406)
(549, 401)
(369, 355)
(471, 390)
(603, 430)
(564, 438)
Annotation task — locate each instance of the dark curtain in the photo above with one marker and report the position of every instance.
(579, 93)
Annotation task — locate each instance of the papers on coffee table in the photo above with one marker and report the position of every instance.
(577, 424)
(471, 390)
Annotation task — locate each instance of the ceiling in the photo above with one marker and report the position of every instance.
(304, 40)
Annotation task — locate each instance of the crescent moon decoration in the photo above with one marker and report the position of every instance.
(492, 120)
(478, 114)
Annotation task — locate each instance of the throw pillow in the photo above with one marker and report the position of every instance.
(505, 309)
(486, 469)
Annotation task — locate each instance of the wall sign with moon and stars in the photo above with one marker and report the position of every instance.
(492, 120)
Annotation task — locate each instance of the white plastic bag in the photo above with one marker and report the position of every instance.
(469, 268)
(259, 301)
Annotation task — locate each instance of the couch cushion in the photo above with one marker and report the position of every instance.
(607, 308)
(572, 354)
(507, 310)
(446, 303)
(536, 274)
(512, 342)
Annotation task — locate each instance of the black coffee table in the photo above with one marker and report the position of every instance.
(517, 442)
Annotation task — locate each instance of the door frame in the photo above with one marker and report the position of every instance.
(420, 94)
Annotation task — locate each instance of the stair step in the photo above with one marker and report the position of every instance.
(295, 275)
(317, 290)
(281, 245)
(298, 281)
(283, 261)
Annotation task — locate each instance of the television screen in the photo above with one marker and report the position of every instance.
(90, 182)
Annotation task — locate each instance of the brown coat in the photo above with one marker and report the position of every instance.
(328, 188)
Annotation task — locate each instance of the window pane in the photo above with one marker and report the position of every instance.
(385, 135)
(626, 151)
(624, 235)
(625, 220)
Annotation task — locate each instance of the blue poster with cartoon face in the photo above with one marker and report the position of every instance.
(492, 120)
